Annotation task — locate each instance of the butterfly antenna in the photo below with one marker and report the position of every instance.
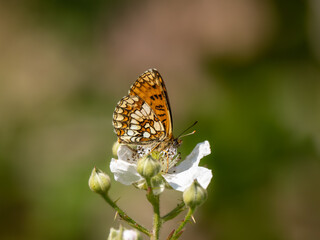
(187, 134)
(181, 135)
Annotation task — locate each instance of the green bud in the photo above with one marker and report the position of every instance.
(141, 184)
(195, 195)
(148, 167)
(115, 147)
(99, 181)
(158, 184)
(155, 154)
(115, 234)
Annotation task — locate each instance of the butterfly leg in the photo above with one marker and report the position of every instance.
(166, 154)
(167, 168)
(155, 147)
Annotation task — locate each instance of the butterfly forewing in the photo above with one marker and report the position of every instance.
(144, 117)
(150, 87)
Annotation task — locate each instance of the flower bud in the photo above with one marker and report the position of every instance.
(124, 234)
(115, 234)
(99, 181)
(115, 148)
(158, 184)
(147, 167)
(195, 195)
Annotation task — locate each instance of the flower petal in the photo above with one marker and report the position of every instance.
(202, 149)
(129, 234)
(181, 181)
(182, 176)
(124, 172)
(125, 153)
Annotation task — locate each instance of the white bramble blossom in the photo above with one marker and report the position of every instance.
(124, 234)
(178, 177)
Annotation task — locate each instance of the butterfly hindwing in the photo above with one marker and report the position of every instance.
(135, 123)
(144, 117)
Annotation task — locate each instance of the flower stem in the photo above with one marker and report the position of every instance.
(156, 218)
(154, 200)
(125, 217)
(173, 213)
(177, 233)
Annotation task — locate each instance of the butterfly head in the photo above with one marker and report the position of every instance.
(176, 142)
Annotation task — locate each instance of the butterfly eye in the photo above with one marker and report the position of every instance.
(177, 142)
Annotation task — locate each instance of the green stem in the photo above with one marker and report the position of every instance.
(177, 233)
(173, 213)
(156, 218)
(125, 217)
(154, 200)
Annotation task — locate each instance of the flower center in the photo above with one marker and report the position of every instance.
(168, 157)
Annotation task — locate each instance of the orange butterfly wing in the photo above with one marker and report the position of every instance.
(151, 89)
(144, 116)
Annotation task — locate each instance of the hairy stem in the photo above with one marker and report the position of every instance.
(125, 217)
(177, 233)
(154, 200)
(173, 213)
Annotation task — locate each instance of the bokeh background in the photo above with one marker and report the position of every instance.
(247, 70)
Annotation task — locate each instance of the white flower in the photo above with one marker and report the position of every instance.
(131, 235)
(178, 177)
(124, 234)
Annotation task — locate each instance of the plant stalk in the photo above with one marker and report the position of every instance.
(125, 217)
(173, 213)
(177, 233)
(155, 202)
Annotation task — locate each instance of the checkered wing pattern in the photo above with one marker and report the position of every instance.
(144, 116)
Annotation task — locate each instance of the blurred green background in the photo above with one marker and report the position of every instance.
(247, 70)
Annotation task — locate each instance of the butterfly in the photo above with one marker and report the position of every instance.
(144, 116)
